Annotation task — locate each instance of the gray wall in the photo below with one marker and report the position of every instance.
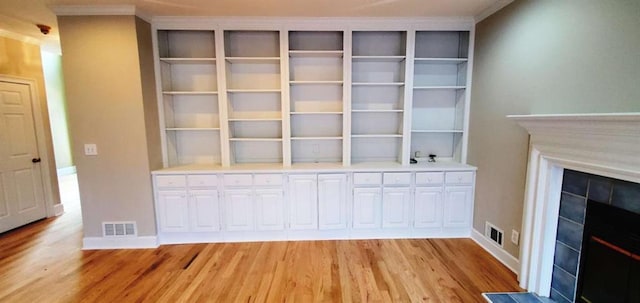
(107, 82)
(544, 57)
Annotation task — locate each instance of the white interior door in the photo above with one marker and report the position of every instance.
(21, 190)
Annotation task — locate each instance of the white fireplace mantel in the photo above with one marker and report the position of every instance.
(601, 144)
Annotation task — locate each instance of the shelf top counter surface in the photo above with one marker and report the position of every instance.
(313, 168)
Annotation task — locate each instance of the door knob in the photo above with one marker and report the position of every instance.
(36, 160)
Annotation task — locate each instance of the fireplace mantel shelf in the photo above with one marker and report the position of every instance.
(614, 124)
(600, 144)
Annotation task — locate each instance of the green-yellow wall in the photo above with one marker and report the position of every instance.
(22, 60)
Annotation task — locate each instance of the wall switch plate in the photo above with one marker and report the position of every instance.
(515, 237)
(90, 150)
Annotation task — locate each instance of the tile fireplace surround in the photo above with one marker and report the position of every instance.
(600, 144)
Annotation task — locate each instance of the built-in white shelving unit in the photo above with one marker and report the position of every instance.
(439, 94)
(377, 101)
(328, 97)
(286, 129)
(316, 69)
(187, 61)
(254, 96)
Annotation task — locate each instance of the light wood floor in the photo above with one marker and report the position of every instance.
(42, 262)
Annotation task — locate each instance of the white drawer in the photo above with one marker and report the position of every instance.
(367, 178)
(430, 178)
(171, 181)
(237, 180)
(202, 180)
(397, 178)
(267, 179)
(459, 177)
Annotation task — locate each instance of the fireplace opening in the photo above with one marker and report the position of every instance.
(609, 269)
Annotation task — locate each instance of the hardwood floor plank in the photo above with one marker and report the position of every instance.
(43, 262)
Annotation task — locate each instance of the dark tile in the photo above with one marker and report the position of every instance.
(500, 298)
(525, 297)
(566, 258)
(563, 283)
(555, 296)
(599, 189)
(570, 233)
(626, 195)
(573, 207)
(575, 182)
(546, 300)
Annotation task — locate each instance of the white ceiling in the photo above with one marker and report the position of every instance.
(20, 16)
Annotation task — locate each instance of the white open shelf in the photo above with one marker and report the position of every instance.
(188, 60)
(253, 60)
(192, 129)
(189, 93)
(302, 82)
(373, 59)
(316, 53)
(316, 113)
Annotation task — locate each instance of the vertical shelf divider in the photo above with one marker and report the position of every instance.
(346, 98)
(222, 99)
(161, 113)
(408, 97)
(467, 97)
(285, 98)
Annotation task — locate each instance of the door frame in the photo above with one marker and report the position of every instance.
(43, 150)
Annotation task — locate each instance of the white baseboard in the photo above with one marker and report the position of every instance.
(89, 243)
(65, 171)
(498, 252)
(58, 209)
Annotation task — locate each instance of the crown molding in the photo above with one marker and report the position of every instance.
(354, 23)
(498, 5)
(93, 10)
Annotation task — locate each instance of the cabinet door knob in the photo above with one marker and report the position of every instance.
(36, 160)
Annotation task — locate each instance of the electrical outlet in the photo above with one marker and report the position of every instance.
(515, 237)
(90, 149)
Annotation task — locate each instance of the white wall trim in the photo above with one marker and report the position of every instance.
(93, 10)
(65, 171)
(498, 5)
(89, 243)
(496, 251)
(58, 209)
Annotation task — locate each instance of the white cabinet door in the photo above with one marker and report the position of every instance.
(366, 207)
(428, 207)
(396, 203)
(332, 201)
(173, 208)
(303, 202)
(238, 209)
(204, 210)
(269, 209)
(457, 206)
